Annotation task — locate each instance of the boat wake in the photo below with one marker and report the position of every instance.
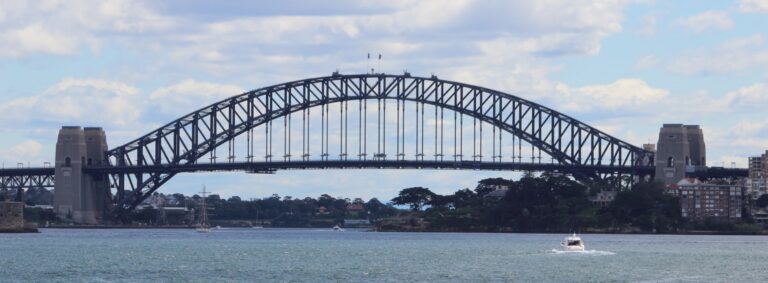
(585, 252)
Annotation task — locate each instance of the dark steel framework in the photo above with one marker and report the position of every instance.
(14, 178)
(195, 141)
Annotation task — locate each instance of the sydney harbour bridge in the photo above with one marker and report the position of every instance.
(374, 121)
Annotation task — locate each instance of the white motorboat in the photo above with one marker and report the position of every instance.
(573, 243)
(338, 228)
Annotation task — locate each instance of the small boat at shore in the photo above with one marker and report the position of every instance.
(338, 228)
(573, 243)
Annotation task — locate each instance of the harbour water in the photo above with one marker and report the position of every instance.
(319, 255)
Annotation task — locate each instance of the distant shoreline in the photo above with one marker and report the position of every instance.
(372, 229)
(712, 233)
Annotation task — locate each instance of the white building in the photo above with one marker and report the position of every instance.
(603, 198)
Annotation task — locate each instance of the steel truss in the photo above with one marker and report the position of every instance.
(15, 178)
(181, 145)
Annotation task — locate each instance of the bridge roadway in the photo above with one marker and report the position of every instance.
(13, 178)
(44, 176)
(271, 166)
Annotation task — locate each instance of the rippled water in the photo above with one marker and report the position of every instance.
(311, 255)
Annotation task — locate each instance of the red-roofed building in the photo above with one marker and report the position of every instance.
(355, 207)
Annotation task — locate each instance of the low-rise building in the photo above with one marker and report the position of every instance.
(493, 184)
(177, 215)
(497, 193)
(603, 198)
(355, 207)
(701, 200)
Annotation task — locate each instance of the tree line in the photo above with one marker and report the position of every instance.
(545, 203)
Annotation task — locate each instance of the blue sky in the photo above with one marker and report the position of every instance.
(625, 67)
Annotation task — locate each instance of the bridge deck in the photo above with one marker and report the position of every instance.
(29, 171)
(258, 167)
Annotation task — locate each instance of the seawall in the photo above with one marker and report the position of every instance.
(12, 218)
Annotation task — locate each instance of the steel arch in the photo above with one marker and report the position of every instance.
(191, 137)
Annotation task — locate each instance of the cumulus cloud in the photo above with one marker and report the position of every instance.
(77, 102)
(646, 62)
(415, 33)
(707, 21)
(28, 150)
(189, 95)
(749, 97)
(753, 6)
(732, 56)
(34, 39)
(649, 25)
(62, 27)
(743, 138)
(629, 93)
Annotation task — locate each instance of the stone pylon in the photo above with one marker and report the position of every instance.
(82, 198)
(680, 149)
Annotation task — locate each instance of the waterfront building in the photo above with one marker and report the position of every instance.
(603, 197)
(494, 187)
(701, 200)
(498, 193)
(177, 215)
(355, 207)
(756, 187)
(756, 168)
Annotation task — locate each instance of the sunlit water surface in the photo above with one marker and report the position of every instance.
(316, 255)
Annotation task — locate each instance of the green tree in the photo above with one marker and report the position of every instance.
(647, 207)
(415, 197)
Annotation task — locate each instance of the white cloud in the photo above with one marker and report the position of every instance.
(25, 151)
(706, 21)
(649, 25)
(738, 141)
(190, 95)
(753, 6)
(551, 44)
(62, 27)
(623, 93)
(647, 62)
(732, 56)
(749, 97)
(76, 102)
(409, 34)
(34, 39)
